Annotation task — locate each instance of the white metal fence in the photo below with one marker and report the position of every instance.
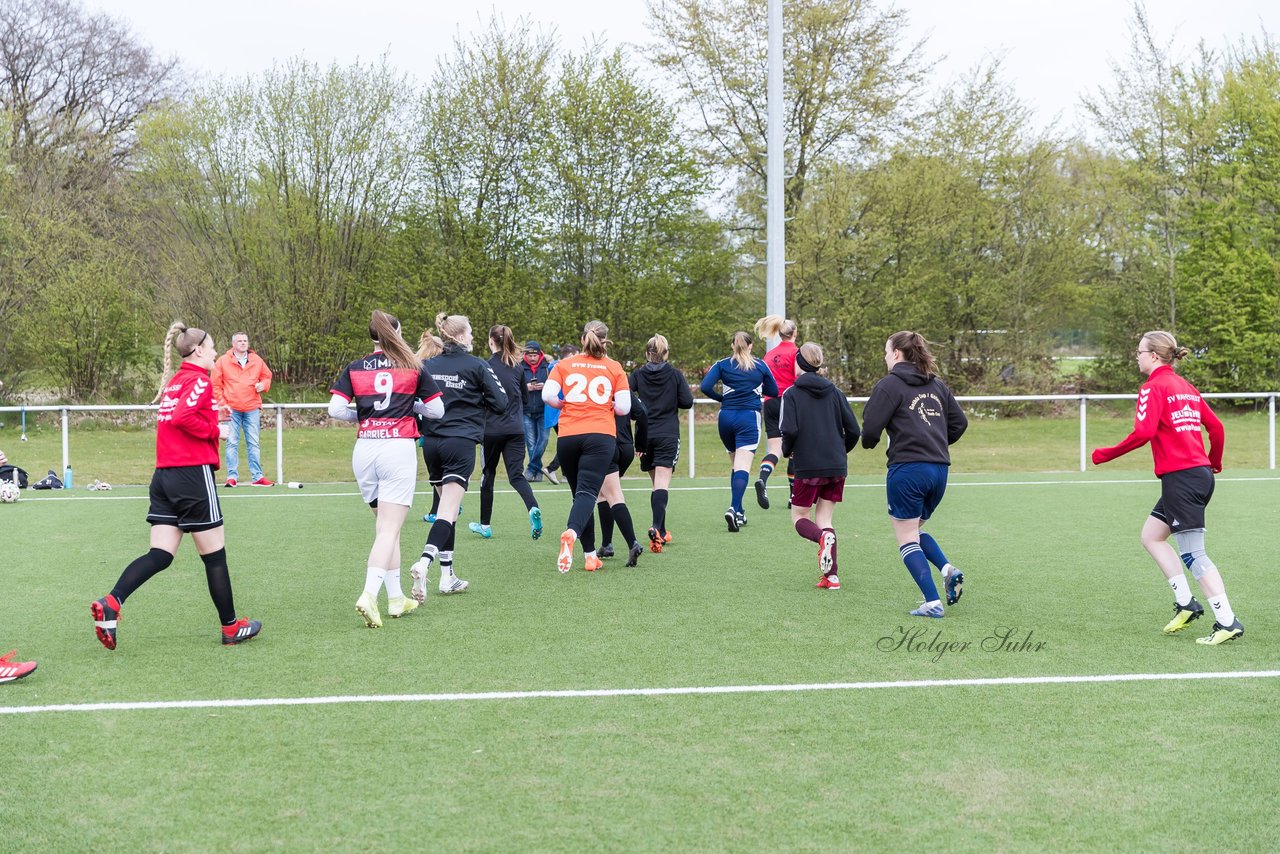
(278, 410)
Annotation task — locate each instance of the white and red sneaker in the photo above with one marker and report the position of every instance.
(11, 670)
(827, 552)
(262, 481)
(231, 483)
(828, 582)
(240, 631)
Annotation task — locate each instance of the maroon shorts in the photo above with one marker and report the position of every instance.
(806, 491)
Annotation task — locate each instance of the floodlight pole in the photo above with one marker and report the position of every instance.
(775, 236)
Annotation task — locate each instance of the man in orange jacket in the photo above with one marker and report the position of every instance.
(240, 377)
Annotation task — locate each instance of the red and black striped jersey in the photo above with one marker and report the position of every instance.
(384, 396)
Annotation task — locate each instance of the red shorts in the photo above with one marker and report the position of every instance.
(806, 491)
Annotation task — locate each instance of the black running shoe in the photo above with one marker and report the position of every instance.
(606, 551)
(762, 495)
(634, 555)
(731, 519)
(240, 631)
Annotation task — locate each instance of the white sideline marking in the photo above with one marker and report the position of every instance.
(293, 493)
(632, 692)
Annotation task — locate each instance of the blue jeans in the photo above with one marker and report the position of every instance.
(248, 423)
(536, 437)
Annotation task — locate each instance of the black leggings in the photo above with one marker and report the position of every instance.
(510, 450)
(586, 459)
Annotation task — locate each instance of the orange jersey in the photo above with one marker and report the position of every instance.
(588, 385)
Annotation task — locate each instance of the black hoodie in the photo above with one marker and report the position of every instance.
(920, 414)
(818, 427)
(664, 391)
(470, 388)
(511, 421)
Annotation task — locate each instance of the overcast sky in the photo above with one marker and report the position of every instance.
(1052, 51)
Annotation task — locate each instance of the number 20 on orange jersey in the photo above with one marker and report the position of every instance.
(578, 389)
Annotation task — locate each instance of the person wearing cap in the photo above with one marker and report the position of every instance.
(536, 367)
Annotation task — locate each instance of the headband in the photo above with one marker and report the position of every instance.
(804, 363)
(195, 348)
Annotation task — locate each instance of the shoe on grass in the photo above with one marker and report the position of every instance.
(1183, 616)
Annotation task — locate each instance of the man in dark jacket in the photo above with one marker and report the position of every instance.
(536, 435)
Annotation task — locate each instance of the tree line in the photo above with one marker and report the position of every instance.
(540, 187)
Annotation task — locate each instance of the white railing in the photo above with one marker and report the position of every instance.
(1269, 396)
(277, 409)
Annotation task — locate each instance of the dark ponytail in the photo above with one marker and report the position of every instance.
(916, 351)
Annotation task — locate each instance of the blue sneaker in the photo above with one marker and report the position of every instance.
(535, 523)
(953, 584)
(485, 531)
(934, 611)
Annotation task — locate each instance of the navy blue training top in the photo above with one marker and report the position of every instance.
(741, 388)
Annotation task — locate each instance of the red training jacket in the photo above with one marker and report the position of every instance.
(1169, 415)
(782, 364)
(187, 423)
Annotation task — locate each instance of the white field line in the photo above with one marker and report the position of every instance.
(258, 492)
(632, 692)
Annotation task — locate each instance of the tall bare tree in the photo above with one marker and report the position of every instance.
(74, 84)
(848, 73)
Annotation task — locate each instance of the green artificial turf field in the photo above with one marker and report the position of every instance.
(1058, 586)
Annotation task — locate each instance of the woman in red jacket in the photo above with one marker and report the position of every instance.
(782, 364)
(184, 496)
(1169, 415)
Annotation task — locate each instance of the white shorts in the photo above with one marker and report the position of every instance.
(386, 470)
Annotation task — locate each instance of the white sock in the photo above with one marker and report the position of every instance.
(446, 565)
(947, 569)
(591, 553)
(373, 580)
(1181, 589)
(1222, 612)
(392, 582)
(930, 604)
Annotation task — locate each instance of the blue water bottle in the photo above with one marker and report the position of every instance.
(66, 481)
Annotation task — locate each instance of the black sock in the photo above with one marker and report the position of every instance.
(435, 501)
(139, 572)
(658, 503)
(606, 523)
(439, 538)
(622, 516)
(766, 466)
(215, 571)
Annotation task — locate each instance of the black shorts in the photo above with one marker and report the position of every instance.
(622, 459)
(186, 498)
(1183, 497)
(662, 451)
(449, 460)
(772, 411)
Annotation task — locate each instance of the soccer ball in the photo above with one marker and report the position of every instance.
(9, 492)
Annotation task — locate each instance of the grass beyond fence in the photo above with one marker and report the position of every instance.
(125, 454)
